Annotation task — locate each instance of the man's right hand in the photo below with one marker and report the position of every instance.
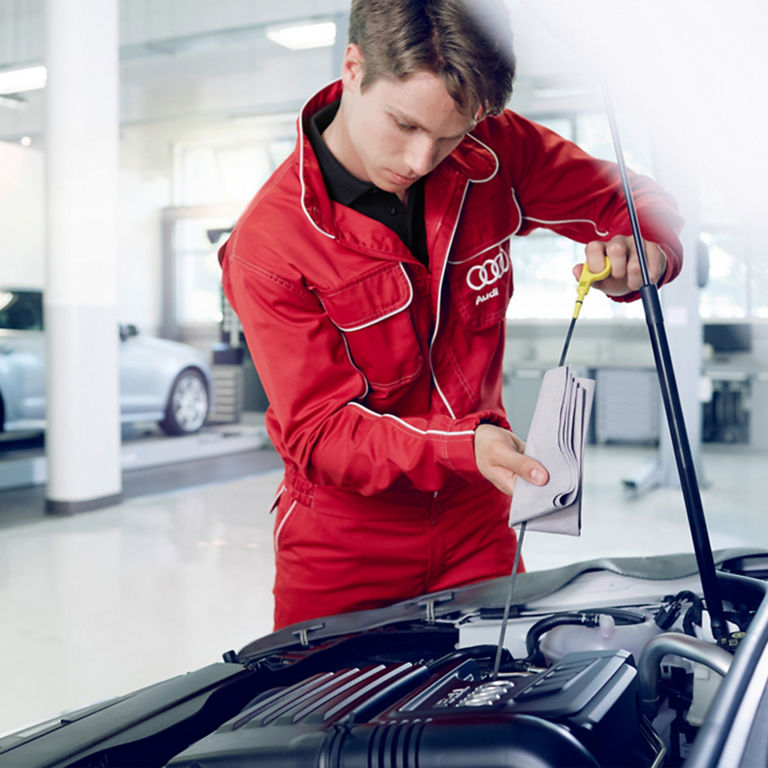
(500, 459)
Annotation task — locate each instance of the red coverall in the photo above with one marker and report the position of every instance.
(378, 369)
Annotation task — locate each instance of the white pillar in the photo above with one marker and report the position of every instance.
(83, 427)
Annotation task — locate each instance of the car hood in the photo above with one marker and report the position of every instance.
(399, 686)
(532, 589)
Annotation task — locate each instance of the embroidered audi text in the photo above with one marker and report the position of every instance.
(485, 296)
(486, 274)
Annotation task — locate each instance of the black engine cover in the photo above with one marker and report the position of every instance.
(408, 715)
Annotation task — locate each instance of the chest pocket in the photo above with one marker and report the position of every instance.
(481, 286)
(373, 311)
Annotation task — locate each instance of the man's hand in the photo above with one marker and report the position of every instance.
(625, 274)
(500, 459)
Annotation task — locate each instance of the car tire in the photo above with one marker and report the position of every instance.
(188, 404)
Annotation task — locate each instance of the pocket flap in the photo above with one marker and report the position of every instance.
(368, 299)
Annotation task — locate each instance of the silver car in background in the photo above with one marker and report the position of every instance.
(160, 380)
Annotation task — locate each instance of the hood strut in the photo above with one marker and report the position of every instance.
(649, 294)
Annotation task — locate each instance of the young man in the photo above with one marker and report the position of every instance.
(372, 276)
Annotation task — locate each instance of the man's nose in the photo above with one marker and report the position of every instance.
(420, 155)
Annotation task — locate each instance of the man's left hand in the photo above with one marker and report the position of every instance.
(625, 274)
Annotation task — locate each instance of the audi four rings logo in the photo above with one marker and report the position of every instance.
(487, 273)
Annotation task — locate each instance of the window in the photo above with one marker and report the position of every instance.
(229, 165)
(543, 261)
(737, 286)
(197, 277)
(215, 177)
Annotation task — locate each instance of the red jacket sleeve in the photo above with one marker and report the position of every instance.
(562, 188)
(313, 389)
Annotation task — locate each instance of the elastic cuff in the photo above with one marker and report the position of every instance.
(460, 454)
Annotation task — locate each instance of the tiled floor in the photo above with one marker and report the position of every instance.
(105, 602)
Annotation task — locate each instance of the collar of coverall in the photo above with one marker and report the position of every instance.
(472, 158)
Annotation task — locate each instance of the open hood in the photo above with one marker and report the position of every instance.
(606, 663)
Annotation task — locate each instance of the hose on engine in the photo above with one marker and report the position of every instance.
(582, 618)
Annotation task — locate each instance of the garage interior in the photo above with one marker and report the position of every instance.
(178, 568)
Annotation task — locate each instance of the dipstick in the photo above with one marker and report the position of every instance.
(585, 283)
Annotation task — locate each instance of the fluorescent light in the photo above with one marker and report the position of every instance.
(23, 79)
(299, 37)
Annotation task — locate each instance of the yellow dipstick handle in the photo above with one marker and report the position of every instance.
(585, 283)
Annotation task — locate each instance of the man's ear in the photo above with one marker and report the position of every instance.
(352, 67)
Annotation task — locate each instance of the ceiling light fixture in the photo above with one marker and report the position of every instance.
(23, 79)
(299, 37)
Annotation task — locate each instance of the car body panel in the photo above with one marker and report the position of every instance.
(22, 378)
(148, 368)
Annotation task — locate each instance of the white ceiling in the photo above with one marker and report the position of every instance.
(194, 59)
(696, 68)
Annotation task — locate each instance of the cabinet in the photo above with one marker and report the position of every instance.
(227, 406)
(627, 402)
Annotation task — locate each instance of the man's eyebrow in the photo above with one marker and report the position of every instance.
(407, 120)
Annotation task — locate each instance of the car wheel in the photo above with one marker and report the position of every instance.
(187, 407)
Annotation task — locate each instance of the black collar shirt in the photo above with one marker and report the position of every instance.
(406, 221)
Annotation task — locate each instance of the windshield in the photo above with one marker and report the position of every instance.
(21, 310)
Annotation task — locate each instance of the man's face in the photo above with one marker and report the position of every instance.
(396, 131)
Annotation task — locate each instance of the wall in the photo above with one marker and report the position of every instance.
(22, 233)
(142, 194)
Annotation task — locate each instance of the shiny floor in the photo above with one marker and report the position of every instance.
(105, 602)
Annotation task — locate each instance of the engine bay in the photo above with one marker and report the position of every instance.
(600, 668)
(625, 685)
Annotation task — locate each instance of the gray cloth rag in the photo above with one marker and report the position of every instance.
(556, 439)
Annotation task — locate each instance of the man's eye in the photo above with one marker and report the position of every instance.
(406, 127)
